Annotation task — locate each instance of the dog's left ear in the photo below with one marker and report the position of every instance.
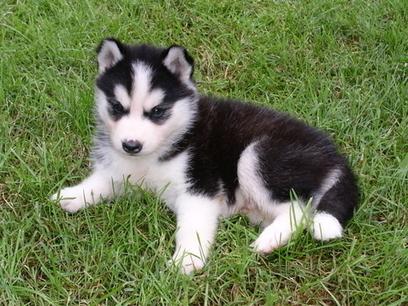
(110, 51)
(179, 62)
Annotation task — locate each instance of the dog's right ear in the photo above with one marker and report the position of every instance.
(110, 51)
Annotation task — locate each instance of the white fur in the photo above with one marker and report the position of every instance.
(197, 218)
(102, 107)
(249, 179)
(168, 179)
(98, 186)
(122, 96)
(326, 227)
(141, 87)
(153, 99)
(278, 233)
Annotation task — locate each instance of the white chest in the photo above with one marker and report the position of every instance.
(167, 179)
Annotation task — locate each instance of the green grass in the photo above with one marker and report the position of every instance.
(339, 65)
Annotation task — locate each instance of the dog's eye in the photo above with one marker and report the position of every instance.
(117, 108)
(157, 112)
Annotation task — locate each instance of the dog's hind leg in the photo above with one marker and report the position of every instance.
(279, 219)
(289, 216)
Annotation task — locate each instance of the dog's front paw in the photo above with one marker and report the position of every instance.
(187, 262)
(71, 199)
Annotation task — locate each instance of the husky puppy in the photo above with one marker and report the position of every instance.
(207, 158)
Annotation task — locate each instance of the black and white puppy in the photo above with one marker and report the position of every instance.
(208, 158)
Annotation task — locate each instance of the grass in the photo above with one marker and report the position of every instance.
(339, 65)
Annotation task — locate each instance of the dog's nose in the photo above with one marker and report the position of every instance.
(132, 146)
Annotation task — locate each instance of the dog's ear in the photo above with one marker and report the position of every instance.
(110, 51)
(179, 62)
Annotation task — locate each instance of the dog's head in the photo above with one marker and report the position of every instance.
(145, 96)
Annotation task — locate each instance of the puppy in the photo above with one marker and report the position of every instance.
(207, 158)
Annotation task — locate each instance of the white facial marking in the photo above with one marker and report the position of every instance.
(142, 75)
(134, 126)
(122, 95)
(154, 98)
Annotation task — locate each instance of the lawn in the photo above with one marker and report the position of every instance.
(338, 65)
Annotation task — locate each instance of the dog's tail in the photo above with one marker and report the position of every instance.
(336, 200)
